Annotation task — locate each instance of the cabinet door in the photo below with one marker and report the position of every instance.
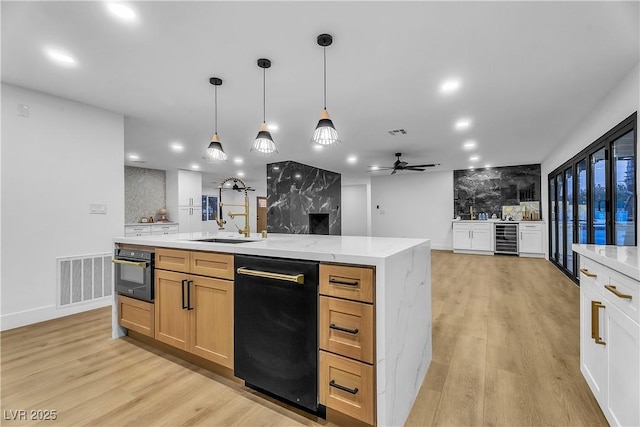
(592, 355)
(481, 239)
(171, 320)
(461, 237)
(212, 319)
(190, 188)
(623, 363)
(530, 241)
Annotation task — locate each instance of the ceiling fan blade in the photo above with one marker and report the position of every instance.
(424, 166)
(411, 168)
(394, 171)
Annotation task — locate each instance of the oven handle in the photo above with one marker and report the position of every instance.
(297, 278)
(133, 263)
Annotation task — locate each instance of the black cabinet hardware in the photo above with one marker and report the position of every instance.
(333, 383)
(184, 305)
(344, 282)
(189, 283)
(340, 328)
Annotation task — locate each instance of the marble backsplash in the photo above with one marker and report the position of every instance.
(144, 193)
(295, 190)
(489, 189)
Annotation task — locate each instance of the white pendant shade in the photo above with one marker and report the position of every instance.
(263, 144)
(325, 134)
(215, 153)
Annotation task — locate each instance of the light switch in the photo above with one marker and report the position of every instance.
(23, 110)
(98, 208)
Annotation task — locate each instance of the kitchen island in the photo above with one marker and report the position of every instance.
(402, 298)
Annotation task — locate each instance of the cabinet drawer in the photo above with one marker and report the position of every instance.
(164, 229)
(347, 386)
(593, 274)
(172, 259)
(346, 328)
(525, 226)
(136, 315)
(617, 292)
(355, 283)
(212, 264)
(134, 230)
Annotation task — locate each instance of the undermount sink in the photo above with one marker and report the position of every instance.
(221, 240)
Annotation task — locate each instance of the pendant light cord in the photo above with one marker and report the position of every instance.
(216, 109)
(324, 50)
(264, 95)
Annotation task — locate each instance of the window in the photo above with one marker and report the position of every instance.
(592, 197)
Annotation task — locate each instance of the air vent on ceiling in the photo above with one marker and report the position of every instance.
(397, 132)
(137, 161)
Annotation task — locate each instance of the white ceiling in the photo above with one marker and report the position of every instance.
(530, 71)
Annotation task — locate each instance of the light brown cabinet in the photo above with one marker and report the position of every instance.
(347, 340)
(195, 313)
(136, 315)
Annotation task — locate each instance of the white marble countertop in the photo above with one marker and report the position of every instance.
(150, 223)
(496, 220)
(624, 259)
(347, 249)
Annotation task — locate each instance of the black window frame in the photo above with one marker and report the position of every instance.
(605, 141)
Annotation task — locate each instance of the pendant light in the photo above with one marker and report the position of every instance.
(325, 134)
(264, 145)
(215, 153)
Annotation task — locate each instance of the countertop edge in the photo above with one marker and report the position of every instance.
(623, 259)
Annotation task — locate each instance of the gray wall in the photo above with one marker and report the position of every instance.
(295, 190)
(144, 193)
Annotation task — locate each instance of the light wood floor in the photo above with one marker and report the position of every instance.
(505, 352)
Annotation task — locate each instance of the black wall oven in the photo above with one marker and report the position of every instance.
(133, 273)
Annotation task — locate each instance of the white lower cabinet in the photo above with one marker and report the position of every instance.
(150, 229)
(610, 342)
(469, 236)
(530, 239)
(189, 219)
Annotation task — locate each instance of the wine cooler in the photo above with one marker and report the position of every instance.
(506, 238)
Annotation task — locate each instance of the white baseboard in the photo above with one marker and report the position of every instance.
(438, 247)
(41, 314)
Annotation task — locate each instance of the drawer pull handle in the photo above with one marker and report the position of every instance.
(296, 278)
(595, 322)
(587, 273)
(616, 292)
(340, 328)
(333, 383)
(344, 282)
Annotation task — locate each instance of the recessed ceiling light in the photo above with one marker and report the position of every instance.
(60, 57)
(450, 86)
(121, 11)
(474, 158)
(469, 145)
(195, 166)
(272, 126)
(463, 124)
(471, 167)
(352, 159)
(317, 147)
(240, 173)
(238, 160)
(375, 167)
(487, 166)
(177, 147)
(133, 157)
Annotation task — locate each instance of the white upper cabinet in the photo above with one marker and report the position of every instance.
(184, 188)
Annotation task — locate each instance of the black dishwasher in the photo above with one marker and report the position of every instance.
(276, 327)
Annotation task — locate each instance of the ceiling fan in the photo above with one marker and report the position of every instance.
(399, 165)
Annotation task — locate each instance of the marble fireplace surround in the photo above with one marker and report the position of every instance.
(295, 190)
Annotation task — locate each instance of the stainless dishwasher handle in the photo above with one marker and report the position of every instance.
(135, 264)
(297, 278)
